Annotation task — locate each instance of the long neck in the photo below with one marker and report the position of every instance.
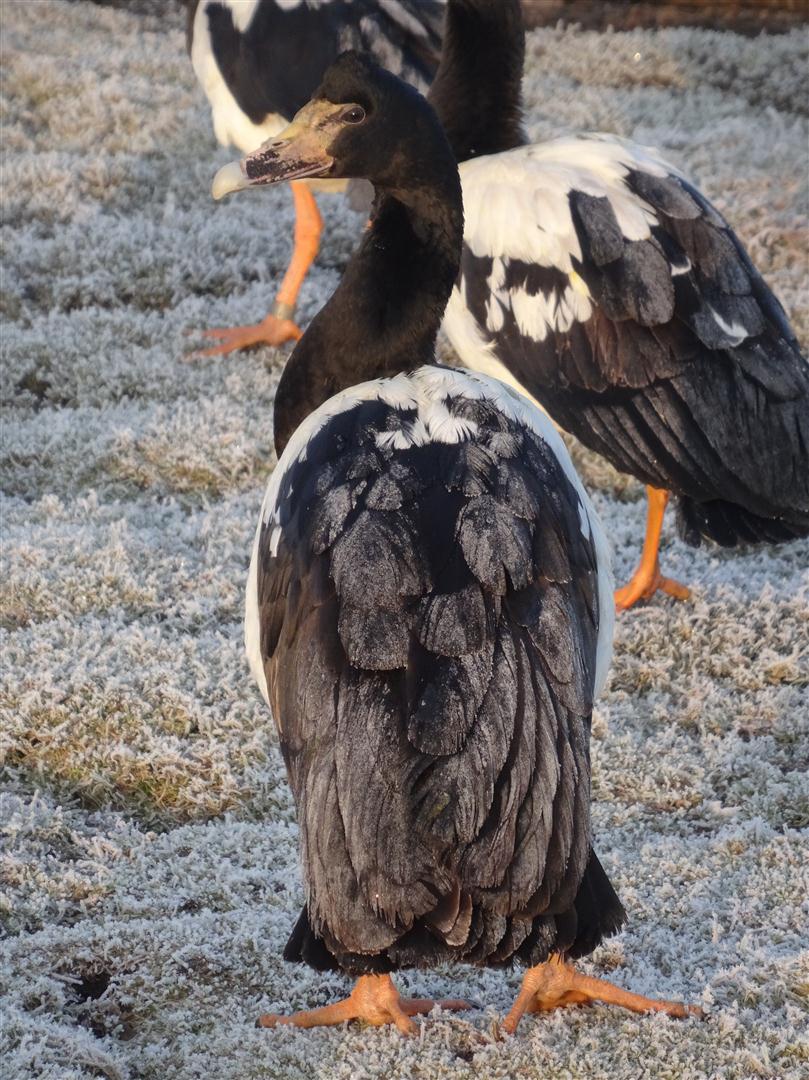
(385, 315)
(477, 88)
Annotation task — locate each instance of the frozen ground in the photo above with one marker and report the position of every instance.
(149, 876)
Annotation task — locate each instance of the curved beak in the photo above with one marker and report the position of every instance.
(299, 152)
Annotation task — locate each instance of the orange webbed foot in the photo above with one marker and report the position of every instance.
(644, 584)
(556, 984)
(274, 330)
(374, 1000)
(647, 579)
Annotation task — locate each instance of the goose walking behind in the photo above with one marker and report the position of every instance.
(429, 607)
(259, 61)
(596, 278)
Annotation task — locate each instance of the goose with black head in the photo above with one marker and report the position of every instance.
(429, 607)
(259, 61)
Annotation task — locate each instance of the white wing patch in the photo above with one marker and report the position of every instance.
(516, 206)
(516, 203)
(535, 313)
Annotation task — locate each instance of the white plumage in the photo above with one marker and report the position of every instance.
(516, 207)
(517, 201)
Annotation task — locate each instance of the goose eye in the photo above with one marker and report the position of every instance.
(354, 115)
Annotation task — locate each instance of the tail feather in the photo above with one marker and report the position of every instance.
(729, 525)
(596, 913)
(599, 912)
(305, 947)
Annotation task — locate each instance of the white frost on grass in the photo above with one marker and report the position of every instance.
(148, 874)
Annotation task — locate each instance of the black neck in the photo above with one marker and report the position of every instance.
(386, 312)
(477, 89)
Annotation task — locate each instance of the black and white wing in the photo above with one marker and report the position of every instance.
(429, 615)
(259, 61)
(600, 280)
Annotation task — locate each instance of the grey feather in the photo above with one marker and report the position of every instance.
(374, 562)
(429, 621)
(597, 226)
(664, 193)
(495, 544)
(448, 704)
(453, 624)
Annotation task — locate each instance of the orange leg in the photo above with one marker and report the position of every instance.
(555, 984)
(278, 326)
(374, 1000)
(647, 579)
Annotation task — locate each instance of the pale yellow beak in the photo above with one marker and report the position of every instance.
(299, 152)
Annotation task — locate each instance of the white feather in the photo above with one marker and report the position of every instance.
(495, 316)
(680, 268)
(534, 313)
(244, 10)
(516, 203)
(252, 622)
(734, 330)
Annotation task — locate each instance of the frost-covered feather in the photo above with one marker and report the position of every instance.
(427, 610)
(598, 280)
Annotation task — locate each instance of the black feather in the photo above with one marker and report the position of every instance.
(433, 689)
(686, 374)
(275, 64)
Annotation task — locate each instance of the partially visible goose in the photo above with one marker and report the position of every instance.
(598, 279)
(429, 607)
(259, 61)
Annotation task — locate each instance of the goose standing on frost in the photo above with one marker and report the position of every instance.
(429, 607)
(597, 279)
(259, 61)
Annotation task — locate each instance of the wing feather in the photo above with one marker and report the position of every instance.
(628, 307)
(271, 57)
(429, 624)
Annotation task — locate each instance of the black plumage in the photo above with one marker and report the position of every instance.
(667, 391)
(426, 606)
(273, 64)
(476, 91)
(641, 324)
(429, 606)
(429, 624)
